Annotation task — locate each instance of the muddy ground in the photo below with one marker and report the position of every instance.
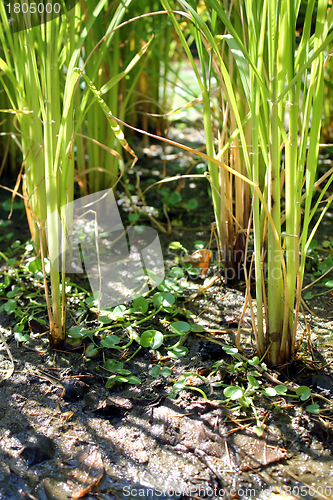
(63, 435)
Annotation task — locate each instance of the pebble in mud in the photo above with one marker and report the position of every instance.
(38, 449)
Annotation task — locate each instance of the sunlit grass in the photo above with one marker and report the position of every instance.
(282, 88)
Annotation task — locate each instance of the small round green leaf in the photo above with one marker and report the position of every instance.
(110, 341)
(199, 244)
(134, 380)
(76, 332)
(180, 327)
(191, 204)
(170, 285)
(164, 299)
(91, 351)
(113, 366)
(233, 392)
(15, 292)
(110, 382)
(173, 199)
(269, 391)
(252, 381)
(123, 371)
(155, 371)
(105, 320)
(10, 306)
(254, 361)
(196, 328)
(133, 217)
(178, 352)
(175, 245)
(176, 272)
(119, 312)
(152, 338)
(166, 371)
(179, 385)
(303, 392)
(230, 350)
(281, 389)
(140, 304)
(259, 430)
(313, 409)
(21, 337)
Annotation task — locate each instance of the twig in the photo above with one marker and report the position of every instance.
(12, 368)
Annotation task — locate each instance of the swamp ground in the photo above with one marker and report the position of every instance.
(64, 435)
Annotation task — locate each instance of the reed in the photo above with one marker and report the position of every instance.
(282, 84)
(38, 74)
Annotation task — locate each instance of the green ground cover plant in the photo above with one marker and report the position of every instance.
(115, 337)
(268, 92)
(42, 77)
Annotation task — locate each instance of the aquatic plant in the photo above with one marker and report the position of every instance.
(282, 78)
